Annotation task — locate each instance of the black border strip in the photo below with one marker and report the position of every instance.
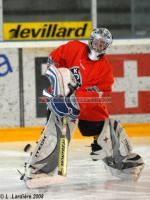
(21, 88)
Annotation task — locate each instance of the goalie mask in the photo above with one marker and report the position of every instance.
(99, 41)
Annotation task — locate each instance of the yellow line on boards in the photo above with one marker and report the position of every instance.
(33, 133)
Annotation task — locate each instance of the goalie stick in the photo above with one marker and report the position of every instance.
(63, 150)
(64, 143)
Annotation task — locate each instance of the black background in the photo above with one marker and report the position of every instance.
(41, 83)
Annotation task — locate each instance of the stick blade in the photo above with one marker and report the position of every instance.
(45, 181)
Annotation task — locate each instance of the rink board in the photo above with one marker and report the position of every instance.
(23, 65)
(32, 134)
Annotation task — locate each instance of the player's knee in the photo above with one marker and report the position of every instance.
(90, 128)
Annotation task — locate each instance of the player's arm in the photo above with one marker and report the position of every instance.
(55, 59)
(59, 56)
(97, 91)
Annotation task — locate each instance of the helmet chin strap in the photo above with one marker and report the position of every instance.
(93, 55)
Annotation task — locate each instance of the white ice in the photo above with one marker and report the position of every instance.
(86, 180)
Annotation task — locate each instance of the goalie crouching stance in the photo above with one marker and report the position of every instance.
(85, 66)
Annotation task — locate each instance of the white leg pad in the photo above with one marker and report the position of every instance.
(44, 158)
(116, 151)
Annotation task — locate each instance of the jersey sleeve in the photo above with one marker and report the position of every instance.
(58, 57)
(60, 54)
(105, 85)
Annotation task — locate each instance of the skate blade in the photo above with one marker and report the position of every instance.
(44, 181)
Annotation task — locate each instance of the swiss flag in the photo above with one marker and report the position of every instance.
(131, 90)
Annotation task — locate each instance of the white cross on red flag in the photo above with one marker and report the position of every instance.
(131, 90)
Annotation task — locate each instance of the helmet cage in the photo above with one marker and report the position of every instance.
(104, 35)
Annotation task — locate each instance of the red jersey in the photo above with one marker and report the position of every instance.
(93, 73)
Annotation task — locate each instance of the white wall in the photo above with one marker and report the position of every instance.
(9, 89)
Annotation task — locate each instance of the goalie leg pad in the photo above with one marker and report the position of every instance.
(114, 148)
(44, 159)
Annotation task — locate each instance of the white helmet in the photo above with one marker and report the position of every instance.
(99, 36)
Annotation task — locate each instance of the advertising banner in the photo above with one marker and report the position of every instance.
(131, 90)
(47, 30)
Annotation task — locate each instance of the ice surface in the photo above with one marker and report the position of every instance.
(86, 180)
